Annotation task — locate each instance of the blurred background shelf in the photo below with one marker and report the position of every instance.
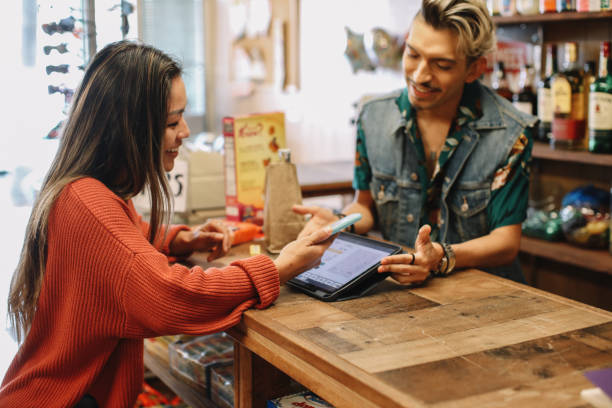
(596, 260)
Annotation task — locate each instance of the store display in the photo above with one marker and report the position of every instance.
(62, 69)
(222, 385)
(384, 49)
(568, 126)
(544, 99)
(500, 81)
(282, 191)
(62, 48)
(355, 52)
(566, 5)
(67, 92)
(585, 217)
(525, 99)
(65, 25)
(548, 6)
(527, 7)
(600, 105)
(305, 399)
(194, 358)
(543, 225)
(251, 144)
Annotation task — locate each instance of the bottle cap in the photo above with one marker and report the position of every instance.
(285, 155)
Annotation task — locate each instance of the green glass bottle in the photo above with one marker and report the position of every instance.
(600, 105)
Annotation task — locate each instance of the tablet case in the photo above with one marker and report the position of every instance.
(355, 290)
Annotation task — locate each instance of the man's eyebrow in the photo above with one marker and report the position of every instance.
(440, 59)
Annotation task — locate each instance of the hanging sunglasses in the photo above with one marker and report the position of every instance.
(67, 92)
(65, 25)
(55, 132)
(62, 69)
(62, 48)
(127, 8)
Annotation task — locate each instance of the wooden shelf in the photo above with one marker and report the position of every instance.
(596, 260)
(190, 395)
(543, 151)
(552, 17)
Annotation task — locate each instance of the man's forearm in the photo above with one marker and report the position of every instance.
(499, 247)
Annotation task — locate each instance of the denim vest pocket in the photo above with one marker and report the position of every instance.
(468, 206)
(386, 197)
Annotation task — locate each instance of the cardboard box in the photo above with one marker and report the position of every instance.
(251, 143)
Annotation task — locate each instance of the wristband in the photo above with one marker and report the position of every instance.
(447, 263)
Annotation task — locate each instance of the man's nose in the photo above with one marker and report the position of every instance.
(421, 73)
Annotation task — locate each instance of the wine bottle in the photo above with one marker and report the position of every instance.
(567, 89)
(600, 105)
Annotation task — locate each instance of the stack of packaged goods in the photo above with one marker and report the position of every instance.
(194, 359)
(222, 385)
(304, 399)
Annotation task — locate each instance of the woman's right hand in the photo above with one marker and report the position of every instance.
(302, 254)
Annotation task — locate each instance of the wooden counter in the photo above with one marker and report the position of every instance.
(468, 340)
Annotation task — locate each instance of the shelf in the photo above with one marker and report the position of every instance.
(543, 151)
(552, 17)
(189, 394)
(596, 260)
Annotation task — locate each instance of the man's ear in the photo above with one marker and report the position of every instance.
(476, 69)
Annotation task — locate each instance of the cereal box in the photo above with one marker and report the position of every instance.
(251, 143)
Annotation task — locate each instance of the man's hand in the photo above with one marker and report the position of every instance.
(320, 217)
(415, 267)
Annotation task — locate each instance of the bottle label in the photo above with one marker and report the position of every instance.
(567, 129)
(561, 96)
(545, 108)
(600, 111)
(525, 107)
(578, 111)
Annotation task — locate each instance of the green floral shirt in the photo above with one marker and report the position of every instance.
(509, 190)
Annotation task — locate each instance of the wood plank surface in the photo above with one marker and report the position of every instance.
(471, 339)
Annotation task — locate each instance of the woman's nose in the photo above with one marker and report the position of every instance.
(184, 132)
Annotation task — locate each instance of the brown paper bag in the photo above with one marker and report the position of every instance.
(282, 191)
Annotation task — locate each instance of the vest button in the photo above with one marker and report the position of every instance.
(414, 176)
(410, 218)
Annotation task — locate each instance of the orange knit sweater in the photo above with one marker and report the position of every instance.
(105, 289)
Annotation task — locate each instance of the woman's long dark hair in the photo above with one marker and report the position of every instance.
(113, 133)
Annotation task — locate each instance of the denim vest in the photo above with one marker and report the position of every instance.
(468, 175)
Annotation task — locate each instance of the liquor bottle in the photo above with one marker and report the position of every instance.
(589, 77)
(600, 105)
(508, 8)
(525, 99)
(500, 82)
(567, 89)
(545, 106)
(527, 7)
(548, 6)
(566, 5)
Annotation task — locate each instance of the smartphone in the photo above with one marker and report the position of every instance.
(344, 222)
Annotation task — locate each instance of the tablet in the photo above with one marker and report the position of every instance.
(348, 268)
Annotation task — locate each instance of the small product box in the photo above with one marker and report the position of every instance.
(222, 385)
(304, 399)
(251, 143)
(194, 358)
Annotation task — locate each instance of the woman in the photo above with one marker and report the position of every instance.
(91, 282)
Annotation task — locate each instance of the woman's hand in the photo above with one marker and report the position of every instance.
(415, 267)
(213, 236)
(320, 217)
(302, 254)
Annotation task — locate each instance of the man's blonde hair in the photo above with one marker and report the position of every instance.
(470, 19)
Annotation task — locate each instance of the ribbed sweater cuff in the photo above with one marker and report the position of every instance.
(264, 275)
(174, 229)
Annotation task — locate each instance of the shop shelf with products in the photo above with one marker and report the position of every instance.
(578, 273)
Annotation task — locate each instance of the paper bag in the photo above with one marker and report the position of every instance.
(282, 191)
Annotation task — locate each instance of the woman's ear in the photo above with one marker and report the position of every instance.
(476, 69)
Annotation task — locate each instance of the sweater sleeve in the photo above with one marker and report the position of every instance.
(160, 300)
(168, 235)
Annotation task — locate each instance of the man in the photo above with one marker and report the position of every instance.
(441, 165)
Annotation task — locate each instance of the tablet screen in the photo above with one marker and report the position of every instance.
(346, 258)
